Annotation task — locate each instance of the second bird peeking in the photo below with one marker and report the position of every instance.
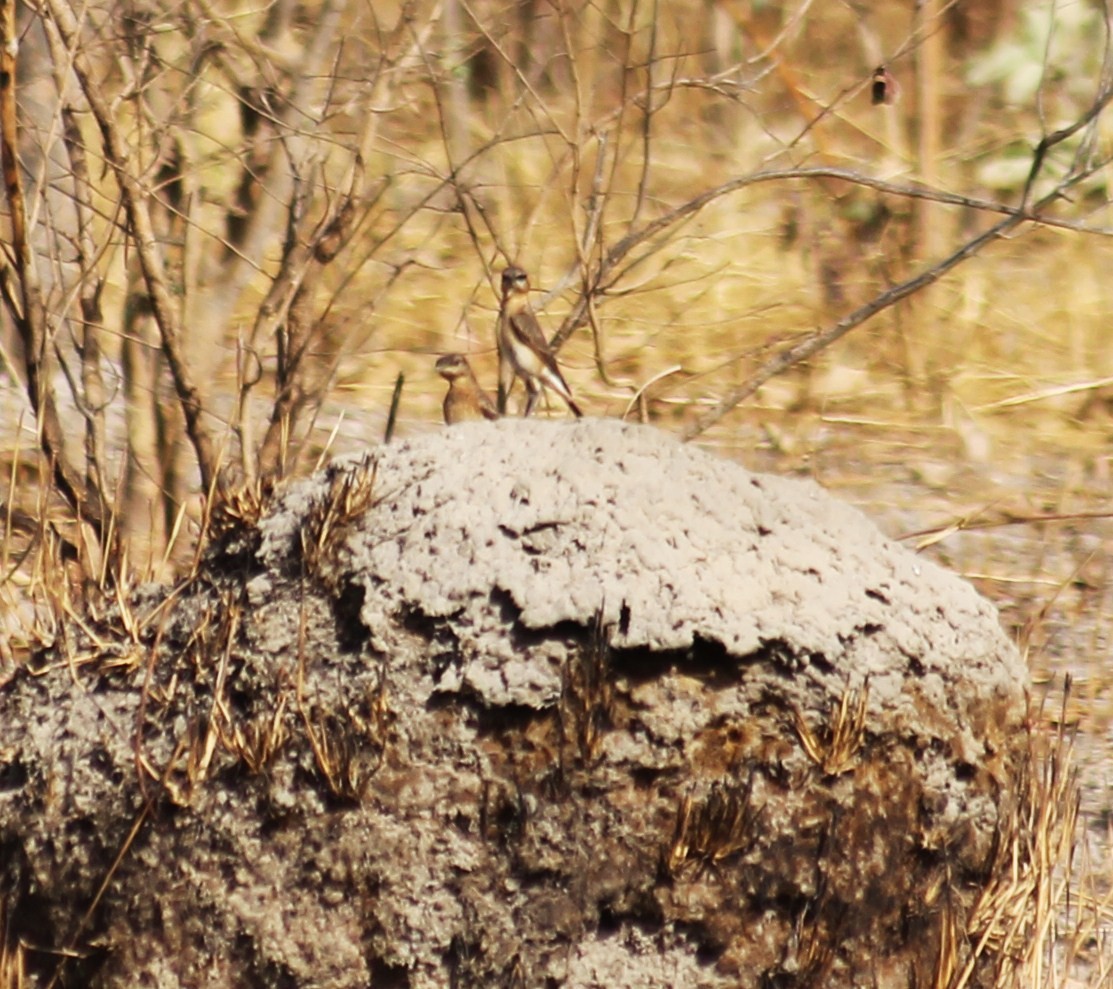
(465, 400)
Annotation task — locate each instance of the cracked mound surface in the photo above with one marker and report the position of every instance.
(526, 704)
(551, 522)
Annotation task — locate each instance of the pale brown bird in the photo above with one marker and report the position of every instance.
(465, 400)
(523, 350)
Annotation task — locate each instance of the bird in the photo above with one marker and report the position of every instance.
(465, 400)
(523, 350)
(884, 88)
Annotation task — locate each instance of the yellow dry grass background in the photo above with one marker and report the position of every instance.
(974, 421)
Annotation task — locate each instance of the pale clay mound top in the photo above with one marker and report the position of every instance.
(674, 544)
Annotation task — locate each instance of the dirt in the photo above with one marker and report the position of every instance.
(523, 703)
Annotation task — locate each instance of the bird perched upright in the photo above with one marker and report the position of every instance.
(465, 400)
(523, 350)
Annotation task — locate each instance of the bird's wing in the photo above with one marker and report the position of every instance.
(486, 406)
(525, 327)
(527, 331)
(479, 396)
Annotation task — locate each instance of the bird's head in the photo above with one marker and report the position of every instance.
(514, 281)
(452, 366)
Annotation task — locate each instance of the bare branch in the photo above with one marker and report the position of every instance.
(1063, 133)
(287, 311)
(609, 271)
(824, 338)
(136, 204)
(30, 318)
(93, 392)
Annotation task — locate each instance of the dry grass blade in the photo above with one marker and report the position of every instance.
(12, 954)
(835, 749)
(395, 402)
(946, 963)
(350, 494)
(713, 828)
(1015, 920)
(125, 847)
(587, 694)
(258, 742)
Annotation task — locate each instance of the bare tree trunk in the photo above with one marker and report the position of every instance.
(932, 237)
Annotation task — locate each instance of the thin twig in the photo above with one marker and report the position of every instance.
(609, 271)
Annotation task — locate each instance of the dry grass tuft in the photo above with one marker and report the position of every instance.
(587, 695)
(348, 746)
(12, 961)
(1022, 920)
(350, 495)
(835, 748)
(712, 828)
(238, 509)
